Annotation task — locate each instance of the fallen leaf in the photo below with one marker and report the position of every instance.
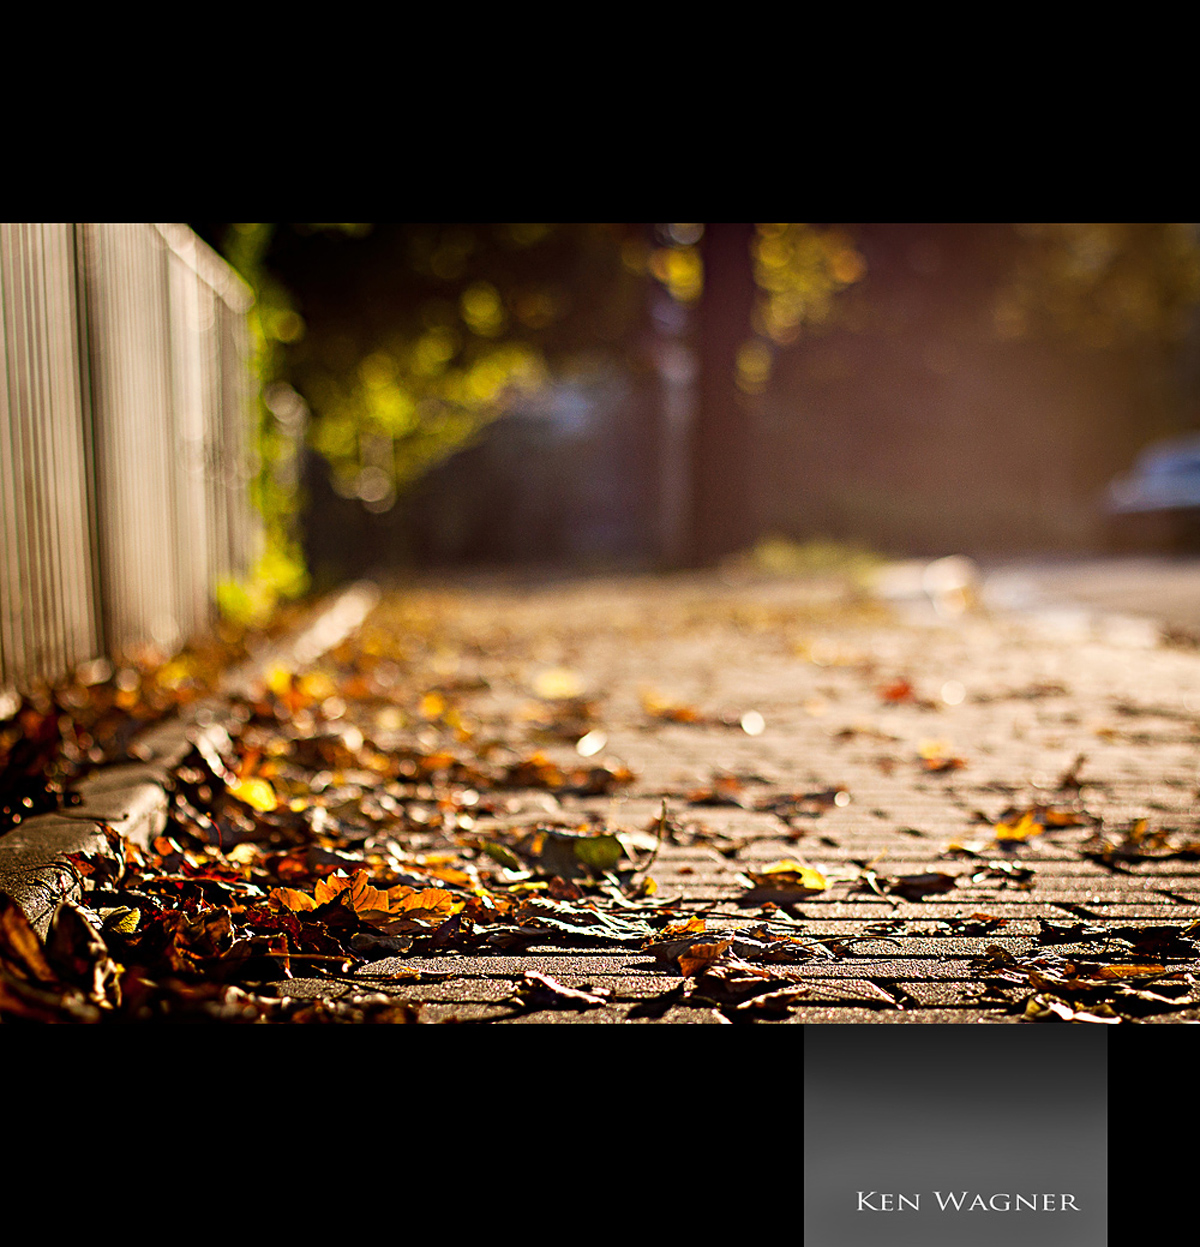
(557, 682)
(1043, 1008)
(900, 690)
(540, 991)
(934, 757)
(698, 957)
(290, 898)
(1022, 828)
(783, 883)
(789, 874)
(256, 793)
(915, 887)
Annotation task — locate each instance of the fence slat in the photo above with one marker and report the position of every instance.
(124, 441)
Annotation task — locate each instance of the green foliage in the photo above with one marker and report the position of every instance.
(776, 555)
(1103, 285)
(425, 333)
(406, 341)
(274, 322)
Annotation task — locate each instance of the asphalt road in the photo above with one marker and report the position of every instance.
(1161, 588)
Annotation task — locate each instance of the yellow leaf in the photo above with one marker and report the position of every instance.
(557, 683)
(257, 793)
(787, 875)
(279, 680)
(1124, 972)
(360, 896)
(315, 685)
(433, 900)
(432, 705)
(1025, 827)
(692, 926)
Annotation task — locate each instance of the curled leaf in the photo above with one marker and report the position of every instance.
(540, 991)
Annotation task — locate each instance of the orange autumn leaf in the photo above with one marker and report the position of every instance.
(1122, 972)
(289, 898)
(700, 956)
(1054, 817)
(434, 902)
(934, 756)
(359, 894)
(694, 925)
(897, 691)
(380, 905)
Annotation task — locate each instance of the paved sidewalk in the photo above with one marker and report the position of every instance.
(793, 720)
(875, 812)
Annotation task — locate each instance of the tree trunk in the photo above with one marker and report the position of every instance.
(723, 507)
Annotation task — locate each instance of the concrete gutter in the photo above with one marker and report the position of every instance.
(40, 863)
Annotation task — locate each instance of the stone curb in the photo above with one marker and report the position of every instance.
(133, 798)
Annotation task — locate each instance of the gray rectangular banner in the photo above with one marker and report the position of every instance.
(944, 1136)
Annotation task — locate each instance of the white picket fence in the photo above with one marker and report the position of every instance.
(125, 441)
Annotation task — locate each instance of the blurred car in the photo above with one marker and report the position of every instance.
(1157, 502)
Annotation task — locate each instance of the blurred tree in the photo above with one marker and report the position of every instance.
(1122, 299)
(405, 340)
(438, 329)
(1125, 295)
(274, 322)
(1103, 286)
(764, 286)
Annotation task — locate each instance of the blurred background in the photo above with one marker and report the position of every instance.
(665, 394)
(202, 421)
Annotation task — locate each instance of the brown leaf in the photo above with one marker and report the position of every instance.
(914, 887)
(540, 991)
(778, 1001)
(787, 879)
(1119, 971)
(21, 949)
(698, 957)
(76, 950)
